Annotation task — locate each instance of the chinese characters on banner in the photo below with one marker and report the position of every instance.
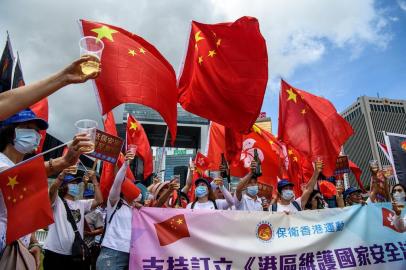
(107, 147)
(342, 165)
(226, 240)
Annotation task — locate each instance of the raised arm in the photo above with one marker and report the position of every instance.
(115, 190)
(98, 197)
(244, 181)
(12, 102)
(53, 190)
(312, 182)
(189, 178)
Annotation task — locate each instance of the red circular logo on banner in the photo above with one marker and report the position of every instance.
(264, 231)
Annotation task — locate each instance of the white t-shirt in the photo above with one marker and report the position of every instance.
(290, 208)
(221, 204)
(118, 232)
(6, 163)
(247, 203)
(60, 235)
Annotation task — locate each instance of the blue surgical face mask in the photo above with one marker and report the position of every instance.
(73, 190)
(201, 191)
(252, 190)
(288, 194)
(26, 140)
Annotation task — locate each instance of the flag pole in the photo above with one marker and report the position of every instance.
(163, 151)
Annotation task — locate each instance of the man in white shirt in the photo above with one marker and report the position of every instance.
(248, 201)
(58, 245)
(287, 202)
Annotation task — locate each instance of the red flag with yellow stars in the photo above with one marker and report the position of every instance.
(225, 73)
(171, 230)
(129, 190)
(136, 135)
(26, 197)
(134, 71)
(311, 125)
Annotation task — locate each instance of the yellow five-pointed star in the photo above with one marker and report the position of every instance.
(256, 129)
(104, 32)
(12, 181)
(212, 53)
(271, 142)
(218, 42)
(292, 95)
(198, 37)
(133, 125)
(290, 152)
(295, 158)
(179, 221)
(131, 52)
(200, 60)
(303, 111)
(142, 50)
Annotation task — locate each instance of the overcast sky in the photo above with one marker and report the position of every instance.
(340, 49)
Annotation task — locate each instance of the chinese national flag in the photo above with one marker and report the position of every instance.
(388, 217)
(311, 125)
(136, 135)
(225, 73)
(40, 108)
(357, 173)
(171, 230)
(134, 71)
(26, 197)
(202, 162)
(129, 190)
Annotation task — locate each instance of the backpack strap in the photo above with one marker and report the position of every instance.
(118, 206)
(71, 219)
(193, 205)
(274, 207)
(296, 205)
(215, 204)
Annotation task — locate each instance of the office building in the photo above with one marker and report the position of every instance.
(370, 117)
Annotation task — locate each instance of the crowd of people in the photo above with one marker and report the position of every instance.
(80, 211)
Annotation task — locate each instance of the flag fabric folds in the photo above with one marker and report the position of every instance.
(26, 192)
(6, 67)
(225, 73)
(134, 71)
(311, 125)
(130, 190)
(136, 135)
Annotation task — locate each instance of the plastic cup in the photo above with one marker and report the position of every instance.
(94, 47)
(318, 158)
(133, 149)
(88, 127)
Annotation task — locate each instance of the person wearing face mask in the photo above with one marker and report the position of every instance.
(205, 198)
(58, 244)
(287, 202)
(19, 135)
(353, 196)
(115, 242)
(248, 201)
(398, 203)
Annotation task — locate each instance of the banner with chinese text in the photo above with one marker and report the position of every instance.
(358, 237)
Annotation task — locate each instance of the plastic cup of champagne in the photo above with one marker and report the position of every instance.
(94, 47)
(133, 149)
(72, 169)
(88, 127)
(374, 165)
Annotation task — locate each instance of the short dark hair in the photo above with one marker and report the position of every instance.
(7, 135)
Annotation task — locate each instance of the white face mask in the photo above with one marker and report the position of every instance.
(288, 194)
(399, 196)
(26, 140)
